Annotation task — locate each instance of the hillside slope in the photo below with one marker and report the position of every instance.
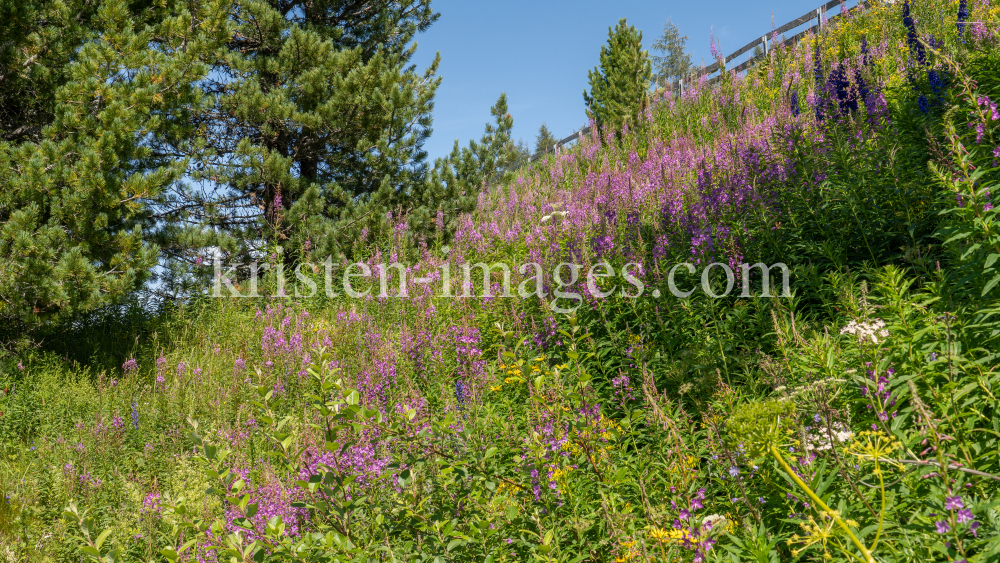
(851, 418)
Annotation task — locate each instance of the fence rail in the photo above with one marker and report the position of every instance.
(816, 15)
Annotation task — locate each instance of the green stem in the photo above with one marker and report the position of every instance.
(836, 517)
(881, 515)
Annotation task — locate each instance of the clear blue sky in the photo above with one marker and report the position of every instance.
(539, 52)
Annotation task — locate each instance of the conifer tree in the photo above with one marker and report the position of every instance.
(315, 130)
(544, 141)
(619, 86)
(453, 185)
(77, 174)
(675, 62)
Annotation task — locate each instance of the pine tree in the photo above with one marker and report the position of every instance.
(315, 130)
(33, 60)
(77, 173)
(544, 141)
(454, 184)
(675, 63)
(619, 86)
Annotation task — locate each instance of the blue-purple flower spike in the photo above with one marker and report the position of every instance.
(916, 49)
(963, 16)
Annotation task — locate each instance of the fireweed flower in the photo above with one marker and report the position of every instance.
(952, 503)
(965, 515)
(942, 527)
(150, 506)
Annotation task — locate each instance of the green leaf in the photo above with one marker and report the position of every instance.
(992, 283)
(100, 539)
(990, 260)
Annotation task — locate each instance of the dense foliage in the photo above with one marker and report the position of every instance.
(81, 88)
(852, 418)
(140, 134)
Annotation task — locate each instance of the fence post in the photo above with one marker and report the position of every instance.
(764, 39)
(819, 18)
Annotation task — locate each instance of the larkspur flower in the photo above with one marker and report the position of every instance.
(963, 16)
(935, 81)
(916, 48)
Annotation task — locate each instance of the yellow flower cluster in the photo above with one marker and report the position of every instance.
(504, 496)
(513, 374)
(628, 552)
(874, 446)
(669, 536)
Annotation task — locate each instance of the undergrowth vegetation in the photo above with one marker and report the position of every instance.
(851, 418)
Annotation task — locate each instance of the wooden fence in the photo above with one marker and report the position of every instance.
(767, 44)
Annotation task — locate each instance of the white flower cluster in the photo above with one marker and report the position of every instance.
(866, 331)
(819, 438)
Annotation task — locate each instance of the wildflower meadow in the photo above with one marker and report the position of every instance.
(853, 417)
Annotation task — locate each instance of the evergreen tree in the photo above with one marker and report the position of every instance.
(619, 86)
(523, 153)
(33, 60)
(544, 141)
(315, 129)
(454, 184)
(675, 62)
(77, 173)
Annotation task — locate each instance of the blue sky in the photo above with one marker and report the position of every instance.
(539, 52)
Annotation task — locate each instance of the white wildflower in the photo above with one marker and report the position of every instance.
(819, 439)
(866, 331)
